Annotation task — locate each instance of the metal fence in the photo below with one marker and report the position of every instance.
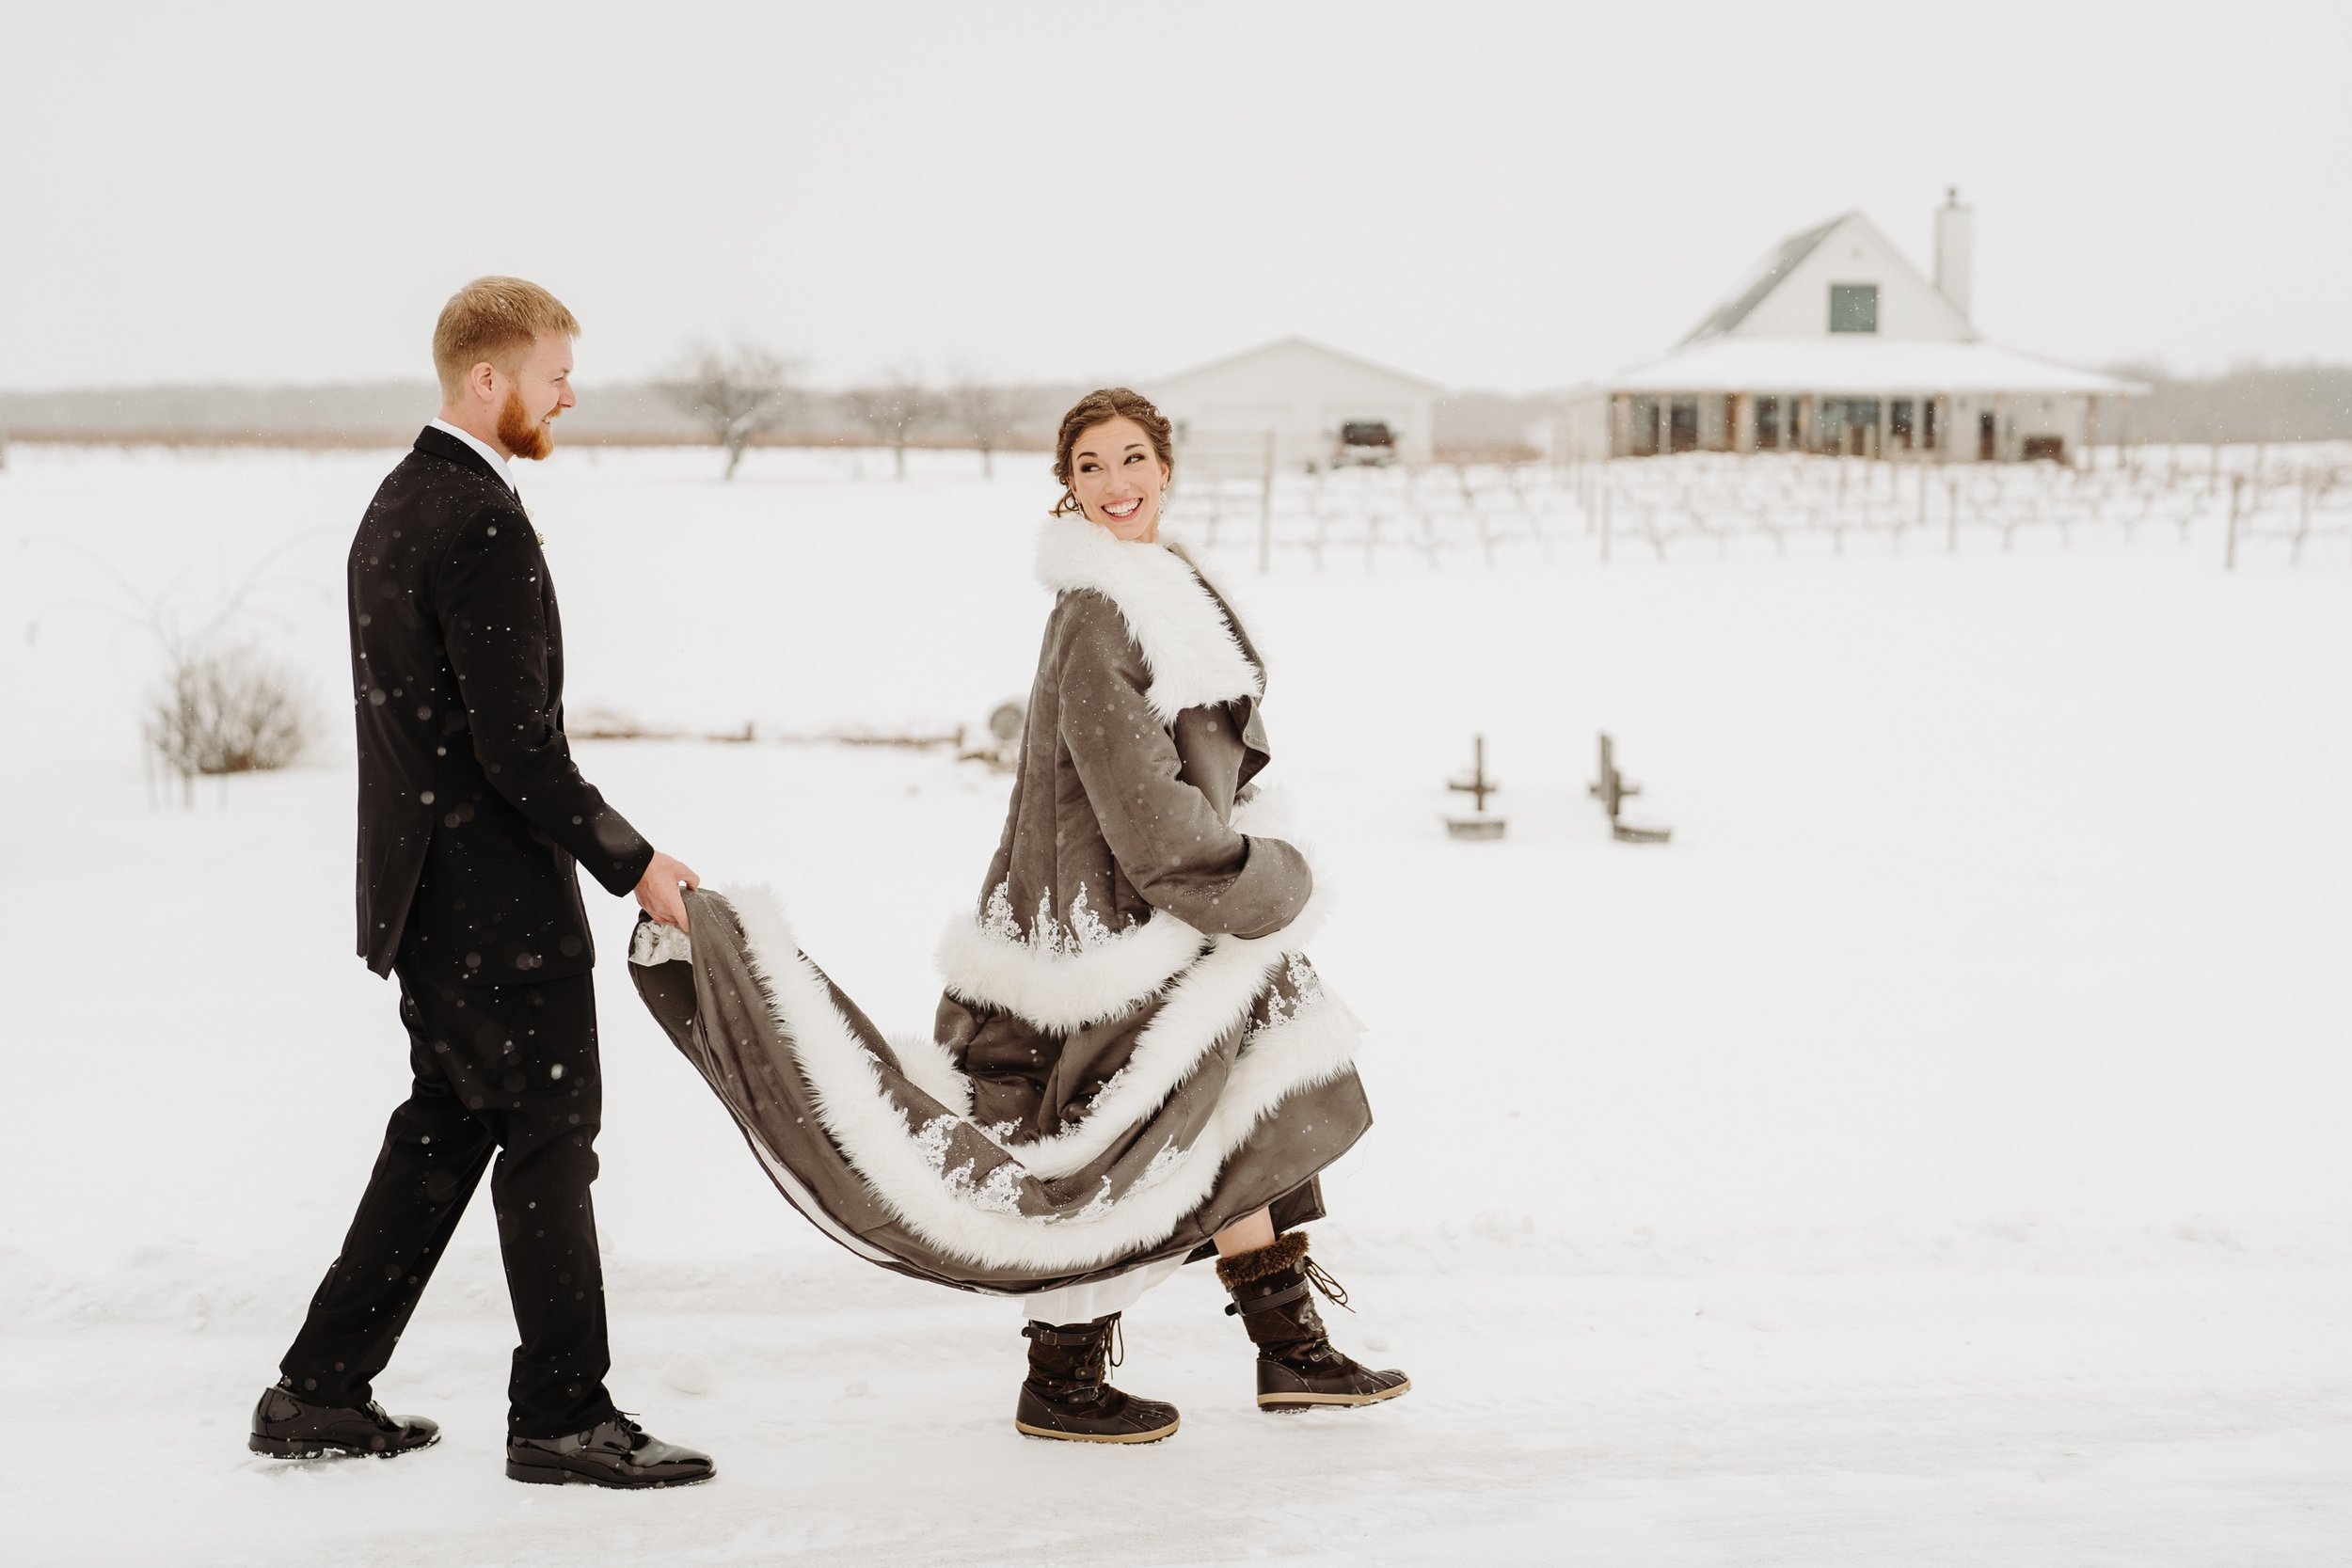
(2249, 505)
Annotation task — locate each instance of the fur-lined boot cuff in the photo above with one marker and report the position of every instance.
(1244, 1267)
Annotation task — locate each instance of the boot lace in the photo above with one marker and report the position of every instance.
(1106, 1353)
(1333, 1291)
(1094, 1369)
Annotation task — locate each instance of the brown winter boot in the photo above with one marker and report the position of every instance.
(1298, 1367)
(1066, 1394)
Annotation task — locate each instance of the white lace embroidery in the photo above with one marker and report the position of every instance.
(930, 1141)
(1046, 934)
(1086, 928)
(1161, 1168)
(999, 1194)
(1163, 1165)
(1306, 988)
(1097, 1206)
(997, 920)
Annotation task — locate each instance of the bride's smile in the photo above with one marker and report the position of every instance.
(1119, 479)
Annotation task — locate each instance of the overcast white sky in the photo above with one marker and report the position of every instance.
(1499, 196)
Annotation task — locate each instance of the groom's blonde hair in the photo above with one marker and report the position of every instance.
(495, 319)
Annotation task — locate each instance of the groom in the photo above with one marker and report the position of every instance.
(472, 816)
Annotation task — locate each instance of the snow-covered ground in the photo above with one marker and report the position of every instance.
(1934, 1155)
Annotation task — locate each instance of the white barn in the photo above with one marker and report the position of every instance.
(1835, 343)
(1301, 392)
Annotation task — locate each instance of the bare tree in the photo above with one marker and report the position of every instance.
(894, 410)
(985, 412)
(745, 392)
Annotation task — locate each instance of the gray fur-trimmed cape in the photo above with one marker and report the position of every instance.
(1133, 1050)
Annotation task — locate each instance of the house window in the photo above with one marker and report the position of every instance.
(1853, 307)
(1682, 427)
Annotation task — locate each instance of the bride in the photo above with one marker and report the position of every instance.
(1134, 1063)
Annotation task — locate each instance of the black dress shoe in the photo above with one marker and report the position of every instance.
(287, 1427)
(616, 1453)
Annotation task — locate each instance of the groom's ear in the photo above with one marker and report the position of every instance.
(482, 381)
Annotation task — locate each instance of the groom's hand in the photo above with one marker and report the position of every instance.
(658, 889)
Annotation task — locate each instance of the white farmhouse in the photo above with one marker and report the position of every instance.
(1299, 394)
(1837, 343)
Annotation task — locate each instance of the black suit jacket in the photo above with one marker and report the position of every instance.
(472, 813)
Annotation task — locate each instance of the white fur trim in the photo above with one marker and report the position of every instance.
(1064, 991)
(1193, 656)
(1313, 1047)
(1206, 1000)
(929, 1068)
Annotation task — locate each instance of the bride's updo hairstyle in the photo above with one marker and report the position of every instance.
(1108, 402)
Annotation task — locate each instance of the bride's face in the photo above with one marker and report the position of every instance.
(1119, 479)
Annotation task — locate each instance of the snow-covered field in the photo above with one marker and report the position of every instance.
(1934, 1155)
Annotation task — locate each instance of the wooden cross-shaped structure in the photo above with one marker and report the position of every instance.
(1478, 786)
(1612, 790)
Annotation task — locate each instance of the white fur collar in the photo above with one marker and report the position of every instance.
(1193, 656)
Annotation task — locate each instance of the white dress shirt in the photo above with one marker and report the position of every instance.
(496, 458)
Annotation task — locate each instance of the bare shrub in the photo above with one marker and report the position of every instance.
(226, 711)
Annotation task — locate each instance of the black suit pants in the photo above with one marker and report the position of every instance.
(509, 1070)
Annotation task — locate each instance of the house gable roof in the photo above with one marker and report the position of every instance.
(1294, 340)
(1762, 280)
(1777, 299)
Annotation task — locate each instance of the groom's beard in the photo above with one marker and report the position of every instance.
(521, 435)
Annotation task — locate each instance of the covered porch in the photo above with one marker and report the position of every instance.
(1921, 400)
